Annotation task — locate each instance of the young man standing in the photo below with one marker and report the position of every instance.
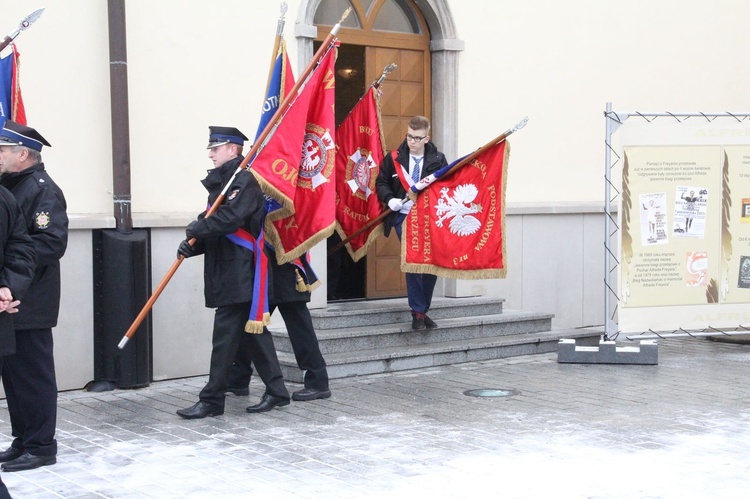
(414, 159)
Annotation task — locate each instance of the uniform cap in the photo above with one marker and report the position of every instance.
(14, 133)
(220, 135)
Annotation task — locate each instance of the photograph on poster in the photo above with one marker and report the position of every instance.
(696, 265)
(745, 213)
(744, 279)
(654, 218)
(690, 211)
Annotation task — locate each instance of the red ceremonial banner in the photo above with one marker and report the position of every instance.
(313, 194)
(359, 151)
(456, 228)
(19, 111)
(11, 101)
(277, 165)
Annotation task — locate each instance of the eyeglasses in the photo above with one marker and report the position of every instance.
(412, 138)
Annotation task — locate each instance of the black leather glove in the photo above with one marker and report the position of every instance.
(185, 249)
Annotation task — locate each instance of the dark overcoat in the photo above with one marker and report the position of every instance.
(228, 268)
(16, 263)
(45, 211)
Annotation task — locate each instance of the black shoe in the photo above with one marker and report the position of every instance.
(200, 410)
(429, 323)
(417, 321)
(310, 394)
(267, 403)
(28, 462)
(10, 454)
(240, 392)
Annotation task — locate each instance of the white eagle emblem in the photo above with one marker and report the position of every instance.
(459, 209)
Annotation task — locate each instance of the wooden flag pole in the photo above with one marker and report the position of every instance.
(220, 199)
(276, 44)
(468, 159)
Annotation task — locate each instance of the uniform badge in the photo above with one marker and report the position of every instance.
(233, 194)
(42, 220)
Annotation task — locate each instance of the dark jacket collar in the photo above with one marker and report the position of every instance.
(220, 175)
(430, 152)
(12, 179)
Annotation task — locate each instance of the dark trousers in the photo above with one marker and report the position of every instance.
(229, 331)
(31, 392)
(304, 343)
(4, 494)
(419, 287)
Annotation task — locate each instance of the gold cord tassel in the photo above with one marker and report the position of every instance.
(301, 285)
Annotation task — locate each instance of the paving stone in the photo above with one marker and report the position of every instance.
(677, 429)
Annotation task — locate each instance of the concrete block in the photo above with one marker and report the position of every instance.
(607, 353)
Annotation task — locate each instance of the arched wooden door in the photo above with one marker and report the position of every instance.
(378, 33)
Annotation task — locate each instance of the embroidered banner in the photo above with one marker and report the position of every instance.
(359, 151)
(312, 197)
(277, 165)
(457, 225)
(11, 102)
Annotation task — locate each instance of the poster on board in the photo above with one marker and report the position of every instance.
(684, 217)
(670, 256)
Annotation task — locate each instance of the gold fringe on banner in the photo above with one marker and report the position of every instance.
(421, 268)
(378, 230)
(357, 255)
(256, 327)
(282, 256)
(302, 286)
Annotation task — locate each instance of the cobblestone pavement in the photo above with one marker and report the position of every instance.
(680, 429)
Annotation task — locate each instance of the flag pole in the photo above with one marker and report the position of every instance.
(276, 42)
(22, 26)
(282, 109)
(425, 182)
(220, 199)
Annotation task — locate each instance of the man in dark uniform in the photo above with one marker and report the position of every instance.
(17, 266)
(416, 158)
(229, 270)
(292, 304)
(29, 375)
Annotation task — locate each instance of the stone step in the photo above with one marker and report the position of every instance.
(392, 359)
(400, 335)
(395, 310)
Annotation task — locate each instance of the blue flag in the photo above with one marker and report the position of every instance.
(6, 85)
(11, 103)
(281, 81)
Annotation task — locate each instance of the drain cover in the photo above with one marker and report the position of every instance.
(491, 392)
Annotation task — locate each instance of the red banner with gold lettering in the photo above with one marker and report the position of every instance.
(456, 228)
(359, 151)
(299, 161)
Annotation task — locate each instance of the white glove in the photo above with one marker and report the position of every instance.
(395, 204)
(407, 206)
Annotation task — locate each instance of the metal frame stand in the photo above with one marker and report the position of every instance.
(647, 352)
